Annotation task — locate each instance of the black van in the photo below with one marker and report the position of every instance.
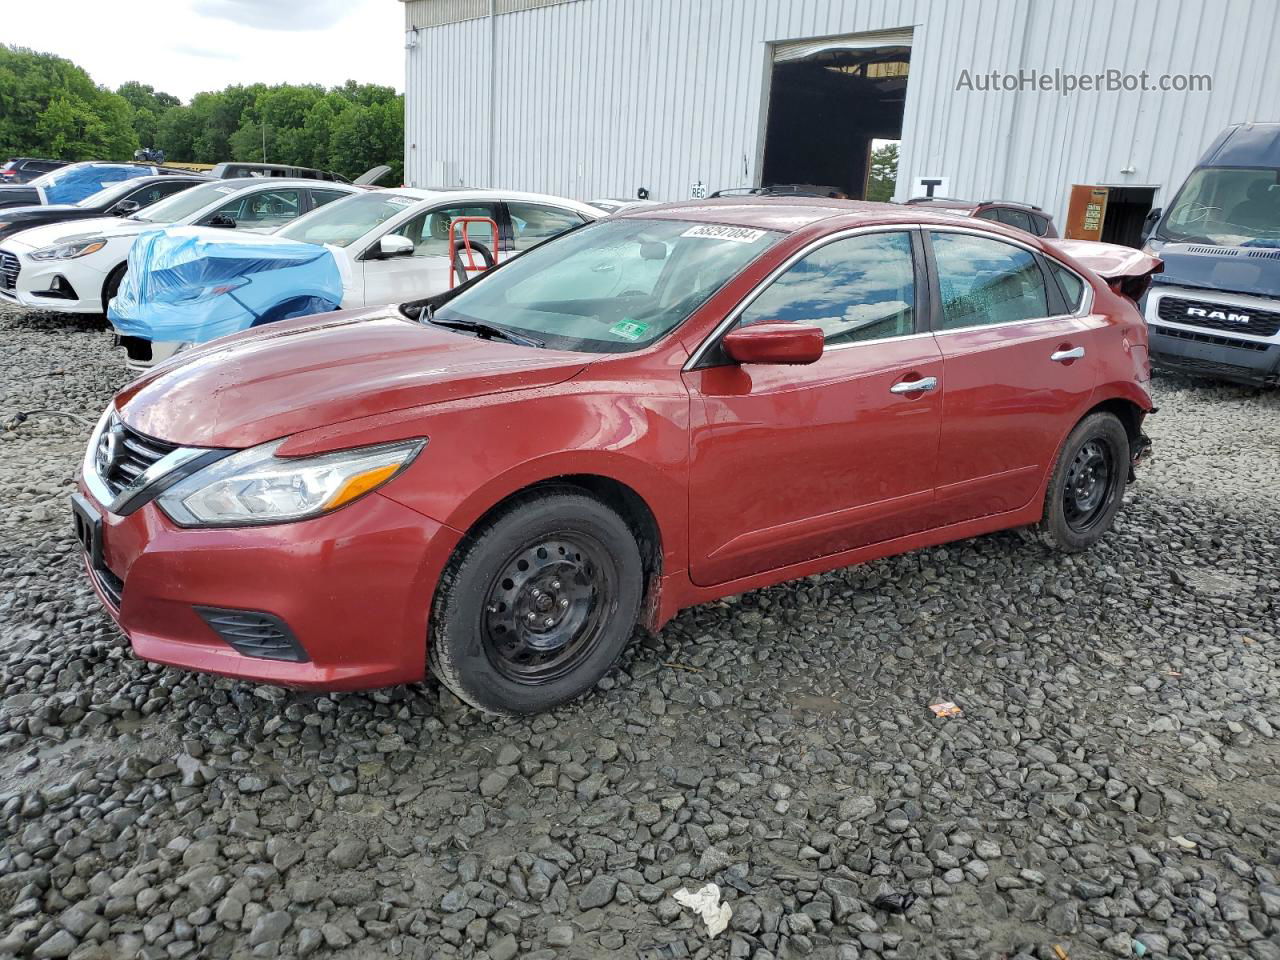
(1215, 310)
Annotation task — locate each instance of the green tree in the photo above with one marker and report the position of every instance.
(50, 107)
(149, 106)
(883, 179)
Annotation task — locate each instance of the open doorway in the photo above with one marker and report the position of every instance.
(1127, 209)
(828, 100)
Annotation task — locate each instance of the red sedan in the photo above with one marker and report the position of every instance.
(649, 412)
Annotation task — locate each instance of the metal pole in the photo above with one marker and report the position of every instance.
(493, 90)
(264, 141)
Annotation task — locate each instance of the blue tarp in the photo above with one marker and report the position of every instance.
(194, 284)
(76, 181)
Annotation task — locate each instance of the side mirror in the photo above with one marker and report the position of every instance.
(1149, 224)
(394, 245)
(124, 208)
(222, 220)
(775, 343)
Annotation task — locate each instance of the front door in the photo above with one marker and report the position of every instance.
(790, 463)
(1019, 364)
(426, 272)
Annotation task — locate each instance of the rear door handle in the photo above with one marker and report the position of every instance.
(922, 385)
(1061, 356)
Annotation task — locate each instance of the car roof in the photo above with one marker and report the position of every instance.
(788, 214)
(484, 193)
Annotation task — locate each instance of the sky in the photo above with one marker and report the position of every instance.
(185, 46)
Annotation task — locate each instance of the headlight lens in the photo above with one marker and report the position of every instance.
(255, 486)
(70, 250)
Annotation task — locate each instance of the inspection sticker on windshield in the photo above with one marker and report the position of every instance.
(714, 231)
(226, 189)
(402, 201)
(629, 330)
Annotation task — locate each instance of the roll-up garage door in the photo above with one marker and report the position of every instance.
(790, 50)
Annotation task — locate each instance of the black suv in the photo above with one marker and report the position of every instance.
(23, 169)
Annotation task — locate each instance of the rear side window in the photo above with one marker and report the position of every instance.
(991, 213)
(1015, 218)
(320, 197)
(1071, 284)
(984, 281)
(1039, 224)
(858, 288)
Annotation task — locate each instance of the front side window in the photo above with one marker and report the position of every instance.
(858, 288)
(1225, 205)
(612, 286)
(267, 208)
(984, 281)
(533, 223)
(430, 231)
(344, 222)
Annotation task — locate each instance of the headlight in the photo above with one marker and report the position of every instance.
(70, 250)
(255, 486)
(196, 294)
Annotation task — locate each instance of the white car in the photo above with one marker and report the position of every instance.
(393, 245)
(77, 267)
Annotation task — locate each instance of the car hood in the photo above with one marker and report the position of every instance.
(313, 372)
(1249, 270)
(51, 233)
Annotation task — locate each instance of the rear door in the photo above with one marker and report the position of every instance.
(791, 463)
(426, 272)
(1019, 367)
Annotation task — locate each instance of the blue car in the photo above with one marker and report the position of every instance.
(189, 285)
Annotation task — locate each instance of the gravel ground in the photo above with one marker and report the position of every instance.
(1112, 788)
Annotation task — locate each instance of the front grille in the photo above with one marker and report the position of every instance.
(111, 586)
(254, 634)
(134, 453)
(10, 267)
(1259, 323)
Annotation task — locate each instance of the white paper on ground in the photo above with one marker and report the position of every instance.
(707, 903)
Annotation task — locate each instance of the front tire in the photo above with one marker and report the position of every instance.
(1087, 486)
(112, 286)
(536, 604)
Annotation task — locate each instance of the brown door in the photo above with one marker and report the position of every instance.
(1086, 212)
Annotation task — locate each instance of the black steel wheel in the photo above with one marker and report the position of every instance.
(546, 607)
(537, 603)
(1087, 486)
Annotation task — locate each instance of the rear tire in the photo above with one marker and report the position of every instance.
(1087, 486)
(536, 604)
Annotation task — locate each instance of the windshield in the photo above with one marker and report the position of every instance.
(345, 221)
(1230, 206)
(53, 176)
(107, 194)
(186, 202)
(611, 286)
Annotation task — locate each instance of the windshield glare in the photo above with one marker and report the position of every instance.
(612, 286)
(186, 202)
(345, 221)
(1231, 206)
(107, 194)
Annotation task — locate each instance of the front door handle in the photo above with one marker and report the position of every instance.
(922, 385)
(1062, 356)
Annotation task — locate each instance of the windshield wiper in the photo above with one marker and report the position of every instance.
(487, 330)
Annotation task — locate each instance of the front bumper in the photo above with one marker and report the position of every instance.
(68, 286)
(352, 590)
(1208, 351)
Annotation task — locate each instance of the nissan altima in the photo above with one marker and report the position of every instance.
(496, 485)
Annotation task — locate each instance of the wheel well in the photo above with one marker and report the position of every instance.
(1126, 411)
(635, 513)
(114, 276)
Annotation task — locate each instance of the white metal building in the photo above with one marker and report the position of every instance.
(598, 98)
